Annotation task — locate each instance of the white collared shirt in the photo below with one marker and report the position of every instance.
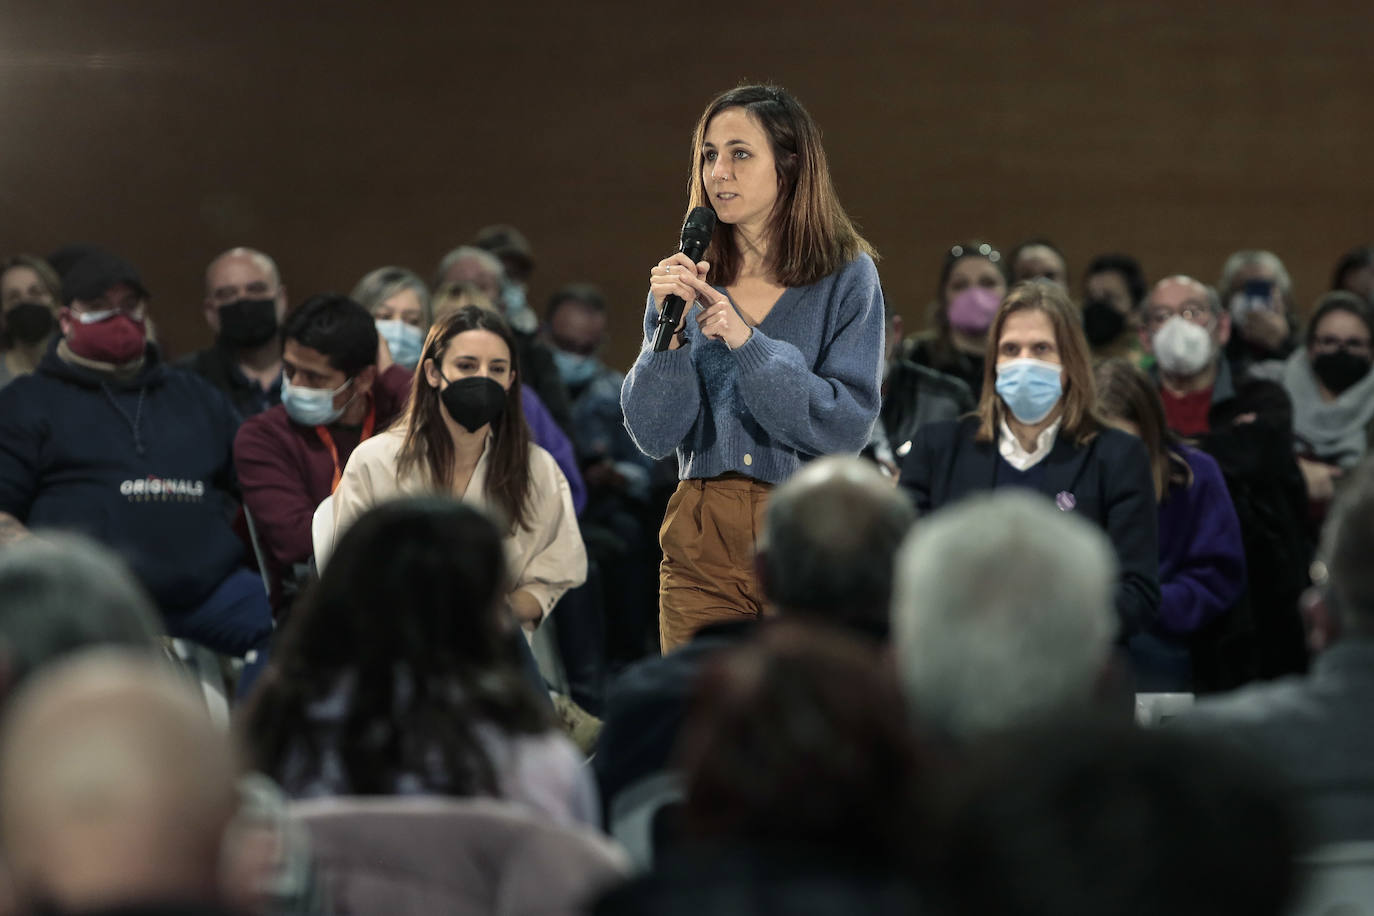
(1015, 455)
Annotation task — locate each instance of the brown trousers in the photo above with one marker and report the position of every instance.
(708, 538)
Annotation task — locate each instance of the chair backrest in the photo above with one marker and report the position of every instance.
(454, 856)
(257, 550)
(1338, 880)
(635, 810)
(322, 531)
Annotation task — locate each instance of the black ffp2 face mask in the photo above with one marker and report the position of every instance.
(473, 402)
(1340, 370)
(247, 322)
(1102, 323)
(29, 322)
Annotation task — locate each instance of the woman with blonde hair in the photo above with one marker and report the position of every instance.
(1036, 427)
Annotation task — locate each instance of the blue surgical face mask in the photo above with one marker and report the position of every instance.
(575, 370)
(1029, 387)
(404, 340)
(516, 307)
(312, 406)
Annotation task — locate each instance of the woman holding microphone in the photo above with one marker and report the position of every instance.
(779, 361)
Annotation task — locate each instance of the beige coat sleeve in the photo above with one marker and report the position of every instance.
(556, 559)
(369, 478)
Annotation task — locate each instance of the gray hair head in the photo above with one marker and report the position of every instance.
(264, 261)
(1209, 293)
(830, 536)
(384, 282)
(464, 253)
(1002, 613)
(63, 592)
(1252, 257)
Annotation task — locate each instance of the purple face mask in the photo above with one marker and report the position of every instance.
(972, 310)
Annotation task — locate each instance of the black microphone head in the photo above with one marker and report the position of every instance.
(696, 232)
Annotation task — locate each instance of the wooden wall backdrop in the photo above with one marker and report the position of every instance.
(342, 136)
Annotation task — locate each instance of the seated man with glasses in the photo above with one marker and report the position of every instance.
(1185, 329)
(108, 440)
(1245, 424)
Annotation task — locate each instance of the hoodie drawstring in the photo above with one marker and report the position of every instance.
(137, 418)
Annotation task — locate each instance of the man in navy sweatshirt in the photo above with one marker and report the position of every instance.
(106, 439)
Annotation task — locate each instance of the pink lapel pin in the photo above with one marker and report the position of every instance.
(1065, 501)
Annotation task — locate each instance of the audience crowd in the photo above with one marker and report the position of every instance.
(1087, 627)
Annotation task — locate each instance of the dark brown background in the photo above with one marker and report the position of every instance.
(342, 136)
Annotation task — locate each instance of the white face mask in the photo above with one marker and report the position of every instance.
(1182, 347)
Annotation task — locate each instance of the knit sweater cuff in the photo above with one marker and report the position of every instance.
(674, 365)
(754, 353)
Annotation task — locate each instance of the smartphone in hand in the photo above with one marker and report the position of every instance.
(1254, 296)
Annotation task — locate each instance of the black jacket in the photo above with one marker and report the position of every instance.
(1108, 480)
(770, 879)
(647, 704)
(914, 395)
(216, 365)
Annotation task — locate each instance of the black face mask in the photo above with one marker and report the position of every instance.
(473, 402)
(29, 322)
(247, 322)
(1102, 323)
(1339, 370)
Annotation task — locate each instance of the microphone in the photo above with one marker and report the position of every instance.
(696, 236)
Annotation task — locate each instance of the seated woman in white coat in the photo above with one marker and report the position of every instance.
(464, 434)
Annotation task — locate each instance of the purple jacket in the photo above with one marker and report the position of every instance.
(1201, 560)
(551, 438)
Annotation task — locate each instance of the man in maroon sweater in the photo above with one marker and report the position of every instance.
(339, 387)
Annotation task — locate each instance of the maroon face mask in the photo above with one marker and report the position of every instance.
(106, 337)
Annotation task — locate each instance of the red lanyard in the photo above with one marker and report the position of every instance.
(328, 440)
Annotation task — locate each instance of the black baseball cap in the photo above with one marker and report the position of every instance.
(96, 272)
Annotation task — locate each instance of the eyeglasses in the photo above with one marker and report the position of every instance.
(983, 250)
(1197, 314)
(1328, 344)
(134, 308)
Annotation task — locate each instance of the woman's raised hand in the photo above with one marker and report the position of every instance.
(678, 276)
(720, 321)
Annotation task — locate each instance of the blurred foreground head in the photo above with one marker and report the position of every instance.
(799, 740)
(60, 593)
(115, 787)
(1090, 818)
(1002, 613)
(830, 536)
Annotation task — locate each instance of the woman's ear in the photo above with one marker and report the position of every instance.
(432, 373)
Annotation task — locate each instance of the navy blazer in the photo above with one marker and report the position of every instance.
(1107, 481)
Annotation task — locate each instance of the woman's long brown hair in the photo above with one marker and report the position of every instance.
(427, 443)
(1126, 393)
(810, 235)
